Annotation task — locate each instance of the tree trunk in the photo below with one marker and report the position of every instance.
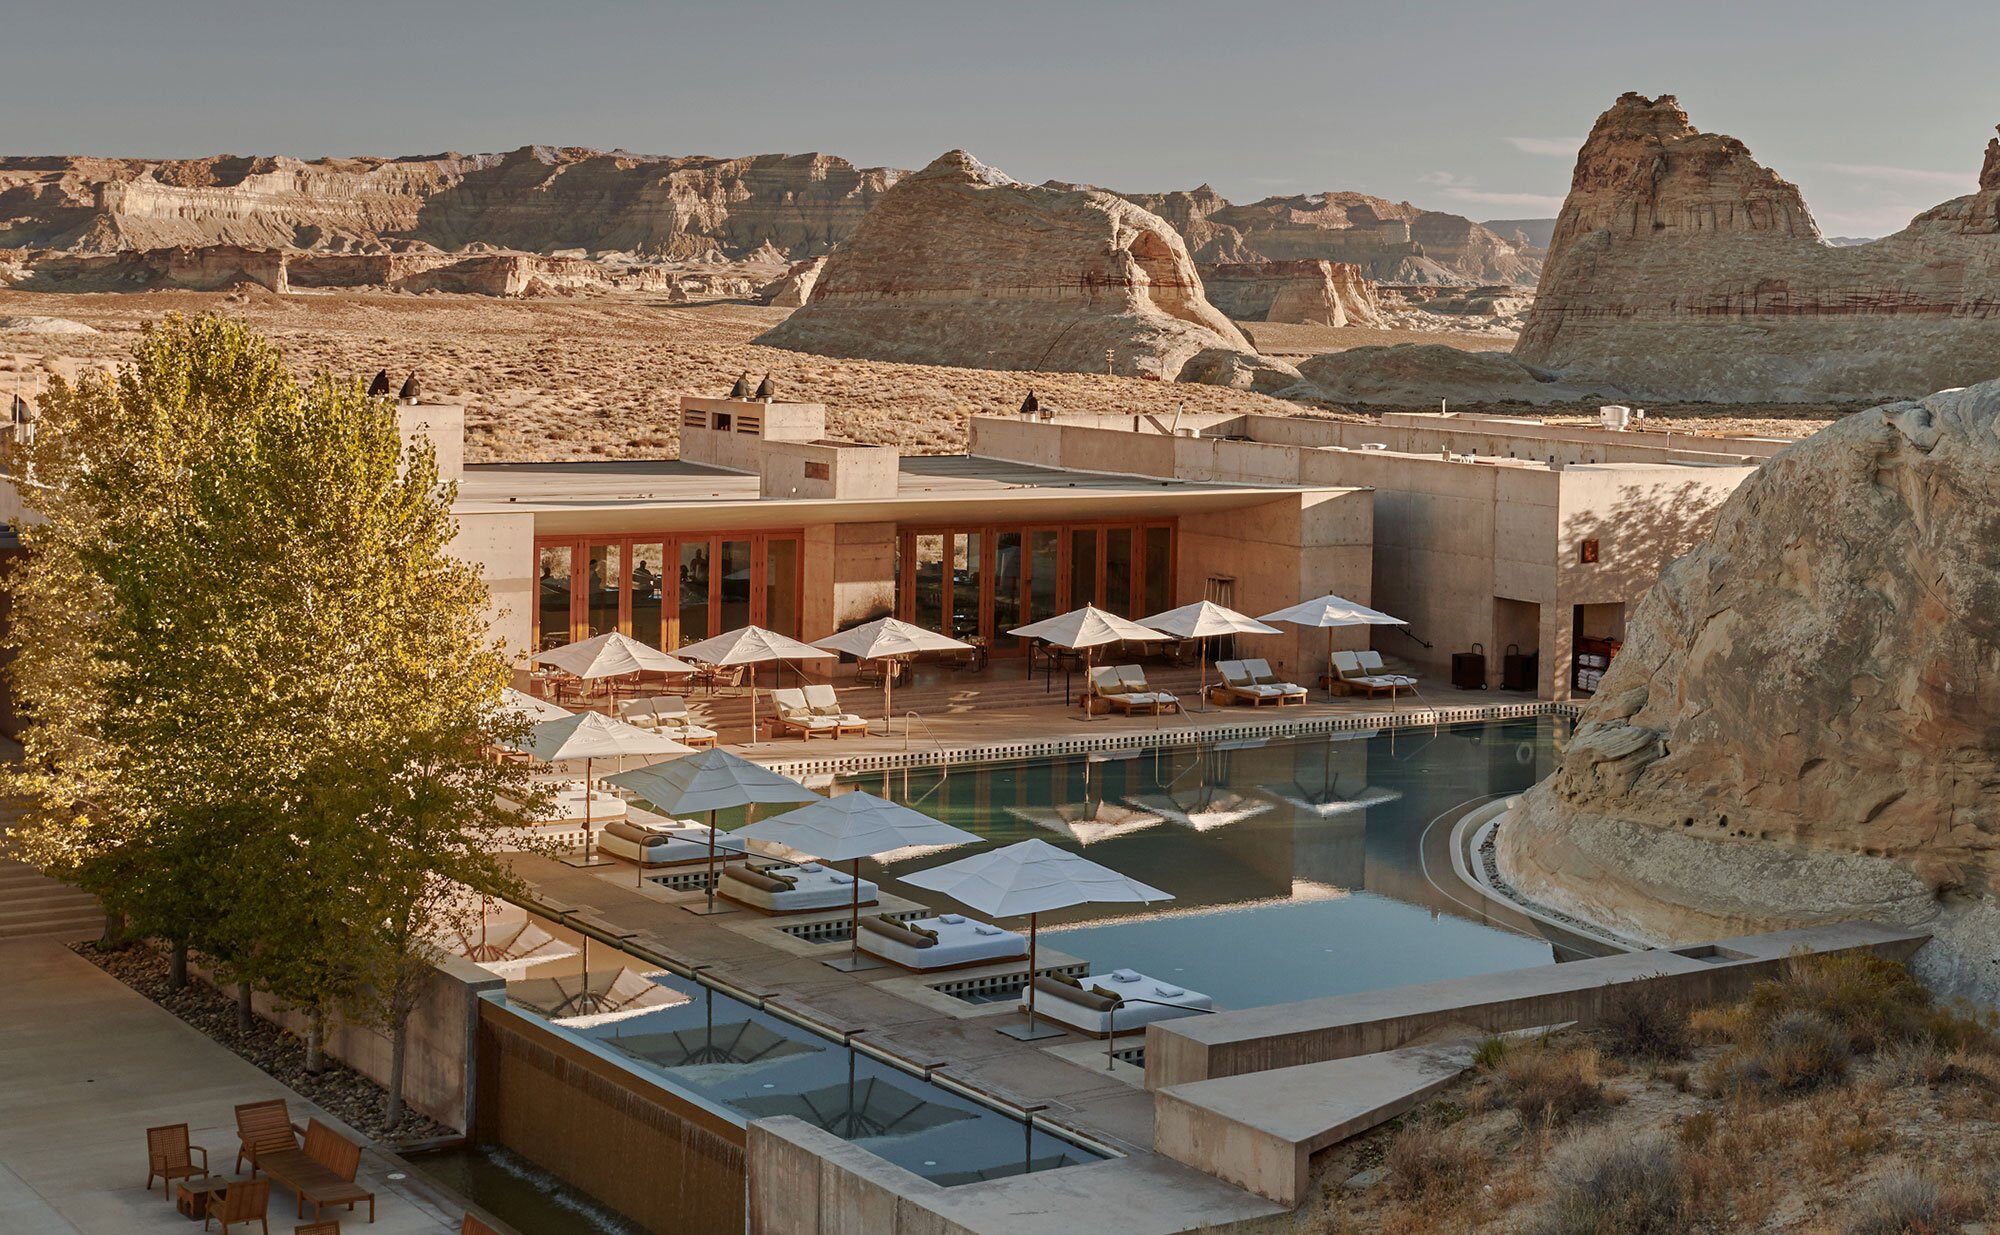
(392, 1104)
(245, 1011)
(316, 1043)
(177, 966)
(114, 931)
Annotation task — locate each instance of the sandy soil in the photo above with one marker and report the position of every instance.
(600, 376)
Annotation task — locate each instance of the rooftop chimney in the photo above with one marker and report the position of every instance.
(765, 391)
(412, 390)
(379, 388)
(741, 390)
(1030, 405)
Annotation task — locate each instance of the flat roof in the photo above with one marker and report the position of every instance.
(593, 496)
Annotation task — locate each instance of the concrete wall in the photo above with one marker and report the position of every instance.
(441, 424)
(740, 447)
(852, 471)
(1292, 548)
(502, 545)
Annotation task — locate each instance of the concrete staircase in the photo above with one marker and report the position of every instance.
(31, 903)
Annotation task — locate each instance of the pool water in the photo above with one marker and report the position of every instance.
(529, 1199)
(1300, 867)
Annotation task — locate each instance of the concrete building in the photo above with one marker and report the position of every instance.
(766, 519)
(1490, 532)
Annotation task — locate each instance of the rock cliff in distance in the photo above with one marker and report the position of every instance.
(961, 265)
(1804, 722)
(1681, 268)
(1316, 293)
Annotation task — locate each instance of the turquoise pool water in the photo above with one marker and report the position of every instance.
(1300, 867)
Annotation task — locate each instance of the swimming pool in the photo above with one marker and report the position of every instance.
(1300, 867)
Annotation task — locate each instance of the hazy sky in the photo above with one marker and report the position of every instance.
(1877, 110)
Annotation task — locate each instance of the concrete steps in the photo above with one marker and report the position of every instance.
(31, 903)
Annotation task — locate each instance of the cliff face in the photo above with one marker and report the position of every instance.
(1392, 242)
(536, 199)
(1319, 293)
(1682, 268)
(961, 265)
(1804, 723)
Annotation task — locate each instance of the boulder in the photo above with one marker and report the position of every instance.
(962, 265)
(1804, 722)
(795, 286)
(1681, 268)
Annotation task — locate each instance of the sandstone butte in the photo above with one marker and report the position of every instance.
(1801, 725)
(961, 265)
(1681, 268)
(1317, 293)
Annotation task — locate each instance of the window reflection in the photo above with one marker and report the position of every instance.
(554, 592)
(781, 587)
(604, 589)
(735, 585)
(648, 574)
(694, 591)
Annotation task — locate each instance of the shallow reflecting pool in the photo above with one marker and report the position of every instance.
(1300, 867)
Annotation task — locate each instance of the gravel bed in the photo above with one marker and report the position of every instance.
(338, 1089)
(1489, 859)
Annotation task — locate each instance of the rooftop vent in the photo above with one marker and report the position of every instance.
(741, 390)
(765, 391)
(1030, 405)
(412, 389)
(379, 388)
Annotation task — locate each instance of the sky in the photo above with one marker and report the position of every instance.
(1876, 110)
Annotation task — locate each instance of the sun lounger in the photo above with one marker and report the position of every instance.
(824, 703)
(948, 941)
(796, 715)
(661, 844)
(1261, 675)
(1351, 676)
(1371, 664)
(792, 889)
(321, 1173)
(1241, 684)
(567, 803)
(1138, 691)
(667, 715)
(1121, 1001)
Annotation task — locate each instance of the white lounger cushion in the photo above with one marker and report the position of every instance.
(823, 702)
(568, 805)
(1371, 663)
(963, 942)
(1133, 1015)
(1237, 677)
(687, 841)
(818, 888)
(1262, 669)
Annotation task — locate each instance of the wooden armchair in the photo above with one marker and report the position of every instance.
(240, 1205)
(263, 1127)
(317, 1228)
(170, 1157)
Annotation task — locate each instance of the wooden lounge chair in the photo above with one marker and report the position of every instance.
(1241, 685)
(170, 1157)
(796, 716)
(240, 1205)
(322, 1173)
(667, 715)
(1350, 676)
(1261, 675)
(262, 1127)
(826, 704)
(1136, 689)
(1371, 663)
(1108, 686)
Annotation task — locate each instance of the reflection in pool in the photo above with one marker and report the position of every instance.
(1301, 867)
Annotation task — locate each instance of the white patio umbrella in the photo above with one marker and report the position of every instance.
(709, 781)
(521, 703)
(610, 655)
(888, 639)
(752, 646)
(1081, 630)
(849, 828)
(1032, 878)
(590, 736)
(1330, 611)
(1205, 620)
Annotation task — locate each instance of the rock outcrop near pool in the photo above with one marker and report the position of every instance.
(1682, 268)
(1804, 723)
(959, 264)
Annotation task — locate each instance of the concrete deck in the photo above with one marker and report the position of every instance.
(90, 1064)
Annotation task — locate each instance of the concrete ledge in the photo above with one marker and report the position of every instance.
(1342, 1026)
(1260, 1131)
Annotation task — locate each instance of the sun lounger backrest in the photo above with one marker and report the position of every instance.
(627, 831)
(332, 1150)
(1234, 673)
(790, 701)
(823, 701)
(670, 707)
(1105, 679)
(1133, 676)
(263, 1126)
(636, 710)
(1260, 671)
(1348, 664)
(1071, 992)
(1371, 660)
(899, 933)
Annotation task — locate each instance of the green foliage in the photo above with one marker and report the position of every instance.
(1488, 1054)
(259, 685)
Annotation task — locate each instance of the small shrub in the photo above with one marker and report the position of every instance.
(1644, 1022)
(1549, 1086)
(1871, 1000)
(1698, 1129)
(1488, 1054)
(1607, 1185)
(1804, 1052)
(1427, 1162)
(1906, 1204)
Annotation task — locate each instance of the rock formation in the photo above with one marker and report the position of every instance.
(538, 199)
(1393, 242)
(961, 265)
(794, 287)
(1804, 722)
(213, 267)
(1681, 268)
(1420, 374)
(1317, 293)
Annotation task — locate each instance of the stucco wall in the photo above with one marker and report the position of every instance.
(502, 545)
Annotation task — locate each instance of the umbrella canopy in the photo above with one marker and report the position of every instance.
(520, 703)
(853, 825)
(593, 735)
(751, 645)
(1332, 610)
(885, 637)
(609, 656)
(871, 1107)
(1030, 877)
(1087, 627)
(709, 780)
(598, 998)
(1204, 619)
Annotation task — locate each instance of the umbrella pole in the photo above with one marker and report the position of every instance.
(888, 698)
(1089, 655)
(1203, 645)
(711, 861)
(586, 811)
(854, 921)
(1032, 933)
(1330, 677)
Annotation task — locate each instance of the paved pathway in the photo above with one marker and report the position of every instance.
(88, 1064)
